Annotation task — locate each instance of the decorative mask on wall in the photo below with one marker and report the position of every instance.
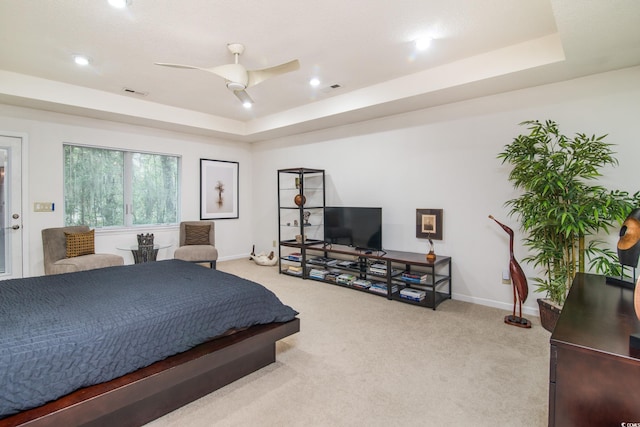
(629, 249)
(629, 242)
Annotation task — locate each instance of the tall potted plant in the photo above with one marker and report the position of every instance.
(562, 208)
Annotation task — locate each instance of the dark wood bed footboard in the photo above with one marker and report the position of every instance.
(148, 393)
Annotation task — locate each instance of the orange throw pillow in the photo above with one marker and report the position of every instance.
(80, 243)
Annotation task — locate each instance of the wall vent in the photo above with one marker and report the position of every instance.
(134, 92)
(331, 88)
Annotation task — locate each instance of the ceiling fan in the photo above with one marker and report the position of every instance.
(237, 77)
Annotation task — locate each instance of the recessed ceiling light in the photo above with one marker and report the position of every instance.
(119, 4)
(314, 81)
(423, 43)
(81, 60)
(247, 105)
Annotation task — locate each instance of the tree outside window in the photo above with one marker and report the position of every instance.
(116, 188)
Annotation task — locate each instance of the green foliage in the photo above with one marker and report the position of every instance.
(93, 183)
(96, 190)
(155, 187)
(560, 206)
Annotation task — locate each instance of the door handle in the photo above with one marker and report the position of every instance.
(14, 227)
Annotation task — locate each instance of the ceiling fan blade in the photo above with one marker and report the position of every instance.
(190, 67)
(258, 76)
(243, 96)
(234, 73)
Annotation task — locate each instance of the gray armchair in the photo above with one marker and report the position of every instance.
(197, 243)
(56, 256)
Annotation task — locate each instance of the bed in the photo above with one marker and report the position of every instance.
(125, 345)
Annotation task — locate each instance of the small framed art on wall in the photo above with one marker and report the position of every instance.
(429, 224)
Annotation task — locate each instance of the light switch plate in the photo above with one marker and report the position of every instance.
(506, 277)
(43, 207)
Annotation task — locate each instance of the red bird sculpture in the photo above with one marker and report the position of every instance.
(519, 281)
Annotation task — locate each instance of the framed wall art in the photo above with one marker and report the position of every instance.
(218, 189)
(429, 224)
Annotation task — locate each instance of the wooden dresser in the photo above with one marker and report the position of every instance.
(594, 378)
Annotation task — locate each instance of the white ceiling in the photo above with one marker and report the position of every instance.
(479, 48)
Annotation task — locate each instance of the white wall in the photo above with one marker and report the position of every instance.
(445, 157)
(46, 133)
(442, 157)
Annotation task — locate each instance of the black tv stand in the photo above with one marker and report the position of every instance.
(370, 251)
(305, 252)
(396, 275)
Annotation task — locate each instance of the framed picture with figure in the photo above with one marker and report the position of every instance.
(429, 224)
(218, 189)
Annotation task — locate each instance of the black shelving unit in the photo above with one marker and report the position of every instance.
(301, 202)
(303, 253)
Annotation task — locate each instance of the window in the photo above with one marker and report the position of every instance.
(116, 188)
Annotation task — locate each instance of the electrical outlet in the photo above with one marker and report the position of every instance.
(274, 243)
(506, 277)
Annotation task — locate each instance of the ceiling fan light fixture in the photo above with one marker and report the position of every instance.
(235, 86)
(244, 98)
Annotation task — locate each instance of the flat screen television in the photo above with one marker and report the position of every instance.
(360, 228)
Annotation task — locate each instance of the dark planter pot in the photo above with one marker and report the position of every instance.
(549, 314)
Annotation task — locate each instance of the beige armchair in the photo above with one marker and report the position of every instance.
(69, 249)
(197, 243)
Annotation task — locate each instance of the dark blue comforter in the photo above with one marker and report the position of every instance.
(63, 332)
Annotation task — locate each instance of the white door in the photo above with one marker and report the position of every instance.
(10, 207)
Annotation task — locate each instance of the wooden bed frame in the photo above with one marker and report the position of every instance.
(150, 392)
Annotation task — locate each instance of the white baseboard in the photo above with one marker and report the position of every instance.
(528, 310)
(233, 257)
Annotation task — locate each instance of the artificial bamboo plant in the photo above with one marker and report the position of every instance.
(562, 208)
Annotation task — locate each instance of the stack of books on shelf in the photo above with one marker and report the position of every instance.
(412, 294)
(296, 256)
(381, 288)
(346, 279)
(294, 269)
(317, 273)
(347, 264)
(362, 284)
(414, 278)
(320, 260)
(331, 276)
(378, 269)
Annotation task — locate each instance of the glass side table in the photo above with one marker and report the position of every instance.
(143, 254)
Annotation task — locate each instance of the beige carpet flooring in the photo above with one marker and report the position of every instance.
(362, 360)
